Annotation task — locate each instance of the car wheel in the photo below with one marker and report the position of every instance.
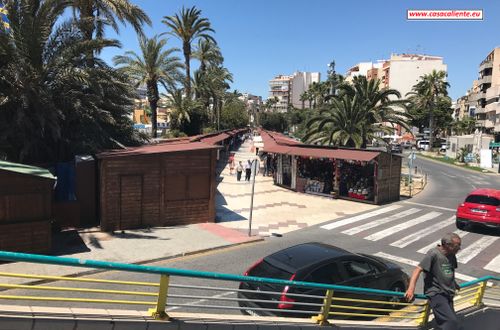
(460, 224)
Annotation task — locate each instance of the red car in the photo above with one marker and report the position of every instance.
(482, 206)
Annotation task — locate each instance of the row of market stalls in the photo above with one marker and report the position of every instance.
(169, 183)
(370, 176)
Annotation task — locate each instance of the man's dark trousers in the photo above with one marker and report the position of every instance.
(444, 314)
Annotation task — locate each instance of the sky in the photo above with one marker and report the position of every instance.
(260, 39)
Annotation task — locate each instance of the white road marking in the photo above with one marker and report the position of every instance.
(201, 300)
(410, 262)
(432, 206)
(379, 222)
(360, 217)
(494, 265)
(405, 225)
(475, 248)
(450, 176)
(426, 248)
(405, 241)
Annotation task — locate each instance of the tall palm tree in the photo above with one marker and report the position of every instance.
(427, 93)
(208, 53)
(94, 15)
(155, 65)
(218, 82)
(189, 26)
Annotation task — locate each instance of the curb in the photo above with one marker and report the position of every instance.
(456, 166)
(142, 262)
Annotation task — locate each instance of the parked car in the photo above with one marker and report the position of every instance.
(443, 147)
(320, 263)
(482, 206)
(423, 145)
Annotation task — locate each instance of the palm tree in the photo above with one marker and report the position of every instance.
(189, 26)
(304, 97)
(381, 106)
(339, 124)
(180, 106)
(55, 106)
(427, 93)
(218, 79)
(94, 15)
(154, 66)
(208, 53)
(358, 114)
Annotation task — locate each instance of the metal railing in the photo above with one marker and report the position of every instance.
(334, 302)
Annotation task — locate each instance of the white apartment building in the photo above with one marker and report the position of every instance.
(253, 104)
(287, 89)
(403, 71)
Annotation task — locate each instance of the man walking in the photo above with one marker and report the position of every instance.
(248, 170)
(439, 281)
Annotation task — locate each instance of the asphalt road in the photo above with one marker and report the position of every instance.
(447, 187)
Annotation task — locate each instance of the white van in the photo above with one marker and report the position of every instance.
(423, 145)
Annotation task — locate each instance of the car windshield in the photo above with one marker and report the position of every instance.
(485, 200)
(264, 269)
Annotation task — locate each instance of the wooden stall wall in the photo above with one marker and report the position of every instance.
(129, 192)
(157, 190)
(189, 187)
(388, 178)
(25, 212)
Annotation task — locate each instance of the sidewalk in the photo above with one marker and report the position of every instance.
(131, 246)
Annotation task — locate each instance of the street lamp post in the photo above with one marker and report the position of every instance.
(254, 170)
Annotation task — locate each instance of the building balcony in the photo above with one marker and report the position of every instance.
(486, 65)
(492, 107)
(476, 96)
(489, 123)
(484, 80)
(480, 110)
(492, 92)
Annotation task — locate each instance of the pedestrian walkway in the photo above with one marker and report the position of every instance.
(275, 209)
(417, 228)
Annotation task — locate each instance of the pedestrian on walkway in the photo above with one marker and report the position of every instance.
(248, 170)
(239, 170)
(231, 164)
(439, 281)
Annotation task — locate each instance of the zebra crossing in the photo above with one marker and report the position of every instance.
(419, 227)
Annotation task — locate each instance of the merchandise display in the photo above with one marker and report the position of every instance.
(356, 180)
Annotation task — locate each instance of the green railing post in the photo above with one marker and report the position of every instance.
(159, 312)
(425, 314)
(322, 318)
(480, 294)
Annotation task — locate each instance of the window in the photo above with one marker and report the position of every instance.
(485, 200)
(356, 268)
(328, 274)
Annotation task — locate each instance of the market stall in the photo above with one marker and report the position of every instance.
(370, 176)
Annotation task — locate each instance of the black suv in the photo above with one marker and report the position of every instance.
(320, 263)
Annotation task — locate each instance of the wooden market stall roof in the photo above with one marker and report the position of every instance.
(278, 143)
(197, 142)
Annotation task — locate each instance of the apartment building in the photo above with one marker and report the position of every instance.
(288, 88)
(403, 71)
(253, 104)
(368, 69)
(465, 106)
(488, 94)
